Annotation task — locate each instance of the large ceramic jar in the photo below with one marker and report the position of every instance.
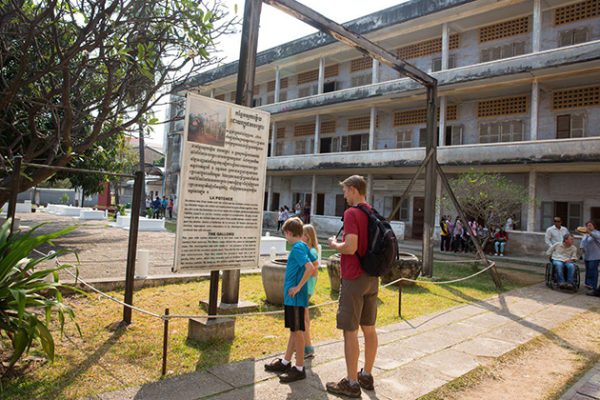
(407, 266)
(333, 270)
(273, 276)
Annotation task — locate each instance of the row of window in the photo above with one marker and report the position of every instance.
(567, 126)
(571, 213)
(565, 38)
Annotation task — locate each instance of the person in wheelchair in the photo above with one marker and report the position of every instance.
(563, 256)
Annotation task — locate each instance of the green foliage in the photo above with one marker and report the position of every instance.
(491, 198)
(76, 72)
(29, 297)
(121, 209)
(160, 162)
(64, 199)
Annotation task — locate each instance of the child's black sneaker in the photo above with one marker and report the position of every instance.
(292, 375)
(277, 365)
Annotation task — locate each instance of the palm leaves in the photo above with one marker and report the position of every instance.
(29, 298)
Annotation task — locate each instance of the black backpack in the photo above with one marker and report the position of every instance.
(382, 248)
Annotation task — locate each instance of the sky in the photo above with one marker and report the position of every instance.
(277, 27)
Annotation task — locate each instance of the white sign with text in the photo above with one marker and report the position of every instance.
(222, 185)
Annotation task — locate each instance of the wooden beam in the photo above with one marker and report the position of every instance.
(352, 39)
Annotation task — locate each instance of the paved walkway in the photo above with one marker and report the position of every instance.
(414, 358)
(587, 388)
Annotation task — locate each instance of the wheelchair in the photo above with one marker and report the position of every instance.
(552, 279)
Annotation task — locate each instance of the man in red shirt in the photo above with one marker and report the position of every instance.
(358, 293)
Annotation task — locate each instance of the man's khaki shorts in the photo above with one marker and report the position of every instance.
(358, 302)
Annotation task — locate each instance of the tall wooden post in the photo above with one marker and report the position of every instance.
(430, 181)
(245, 87)
(132, 246)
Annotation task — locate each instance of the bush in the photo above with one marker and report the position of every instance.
(29, 298)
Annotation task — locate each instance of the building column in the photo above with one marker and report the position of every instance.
(531, 201)
(372, 128)
(321, 80)
(442, 123)
(277, 84)
(369, 195)
(212, 93)
(273, 139)
(536, 31)
(269, 192)
(317, 134)
(445, 46)
(438, 209)
(375, 71)
(535, 100)
(313, 196)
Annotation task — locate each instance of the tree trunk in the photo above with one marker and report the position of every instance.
(116, 192)
(82, 196)
(142, 166)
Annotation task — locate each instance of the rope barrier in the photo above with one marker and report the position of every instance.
(254, 314)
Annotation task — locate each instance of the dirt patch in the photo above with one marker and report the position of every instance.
(543, 368)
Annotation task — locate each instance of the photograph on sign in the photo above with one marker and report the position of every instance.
(221, 193)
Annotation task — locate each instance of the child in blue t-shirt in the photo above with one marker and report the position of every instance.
(310, 238)
(295, 300)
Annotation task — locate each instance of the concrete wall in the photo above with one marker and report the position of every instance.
(48, 195)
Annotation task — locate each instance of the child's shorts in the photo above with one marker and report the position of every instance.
(294, 318)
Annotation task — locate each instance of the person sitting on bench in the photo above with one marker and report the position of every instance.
(563, 256)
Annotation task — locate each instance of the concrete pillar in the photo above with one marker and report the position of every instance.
(438, 209)
(321, 80)
(277, 84)
(536, 31)
(273, 139)
(212, 93)
(269, 192)
(370, 189)
(535, 100)
(442, 124)
(372, 128)
(531, 201)
(313, 196)
(317, 134)
(375, 71)
(445, 46)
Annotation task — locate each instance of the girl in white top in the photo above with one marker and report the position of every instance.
(310, 238)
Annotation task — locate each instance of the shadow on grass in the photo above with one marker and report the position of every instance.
(66, 379)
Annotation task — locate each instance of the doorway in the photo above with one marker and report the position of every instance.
(418, 217)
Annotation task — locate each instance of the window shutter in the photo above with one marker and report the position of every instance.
(565, 39)
(563, 126)
(577, 126)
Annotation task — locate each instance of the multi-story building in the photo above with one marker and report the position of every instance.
(519, 94)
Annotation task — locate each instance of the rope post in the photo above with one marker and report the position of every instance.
(165, 342)
(400, 300)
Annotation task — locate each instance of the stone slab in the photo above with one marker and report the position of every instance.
(590, 389)
(242, 373)
(243, 306)
(394, 356)
(485, 347)
(409, 382)
(204, 329)
(184, 387)
(272, 389)
(513, 332)
(451, 362)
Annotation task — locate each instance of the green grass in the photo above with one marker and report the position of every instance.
(107, 358)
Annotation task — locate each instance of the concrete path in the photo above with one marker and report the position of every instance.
(587, 388)
(414, 358)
